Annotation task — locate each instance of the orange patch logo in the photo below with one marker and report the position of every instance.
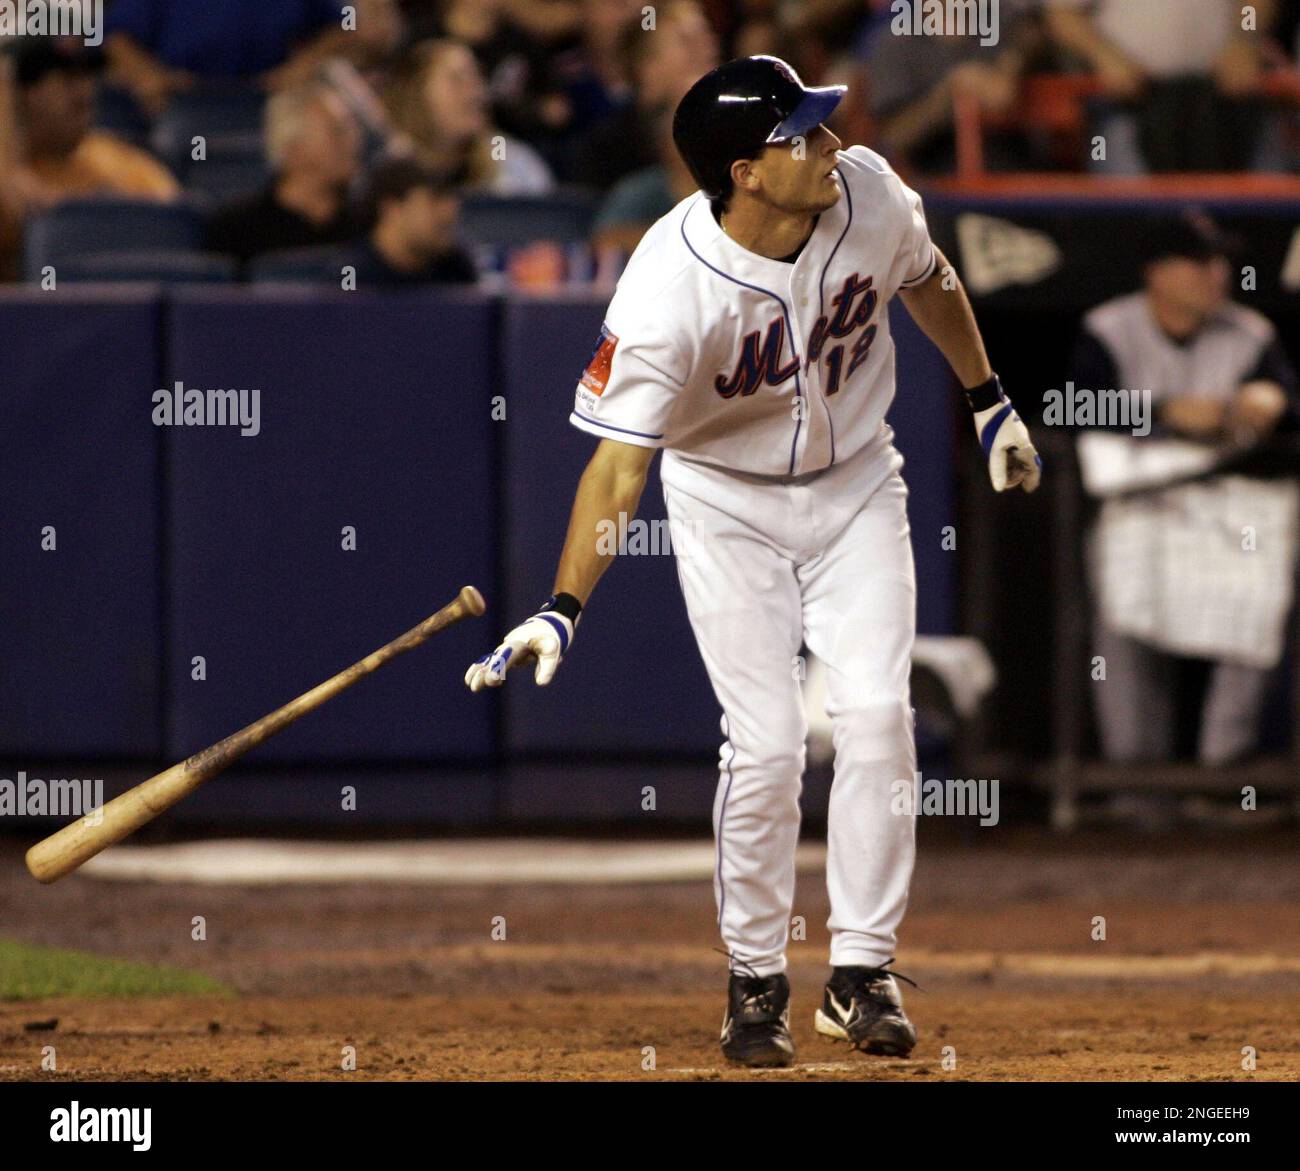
(596, 376)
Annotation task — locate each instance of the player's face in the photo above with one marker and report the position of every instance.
(800, 176)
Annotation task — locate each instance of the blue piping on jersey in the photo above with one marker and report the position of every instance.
(821, 290)
(785, 313)
(925, 276)
(722, 813)
(611, 427)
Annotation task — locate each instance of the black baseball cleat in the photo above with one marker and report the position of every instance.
(756, 1029)
(864, 1007)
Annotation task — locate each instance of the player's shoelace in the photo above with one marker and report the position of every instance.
(870, 975)
(754, 987)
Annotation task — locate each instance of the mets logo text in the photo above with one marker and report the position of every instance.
(760, 353)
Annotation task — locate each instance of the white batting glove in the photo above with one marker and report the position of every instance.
(546, 637)
(1012, 459)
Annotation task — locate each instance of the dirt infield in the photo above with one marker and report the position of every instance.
(1201, 959)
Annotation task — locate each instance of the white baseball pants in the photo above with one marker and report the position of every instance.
(766, 567)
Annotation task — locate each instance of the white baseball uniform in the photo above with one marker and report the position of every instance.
(767, 382)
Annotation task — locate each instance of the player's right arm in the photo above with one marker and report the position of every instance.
(609, 492)
(610, 489)
(626, 397)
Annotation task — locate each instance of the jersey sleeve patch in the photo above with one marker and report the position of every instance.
(596, 376)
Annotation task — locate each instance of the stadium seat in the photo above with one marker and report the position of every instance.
(211, 113)
(83, 227)
(153, 267)
(219, 181)
(511, 221)
(299, 265)
(235, 166)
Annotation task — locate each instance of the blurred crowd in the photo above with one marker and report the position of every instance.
(364, 127)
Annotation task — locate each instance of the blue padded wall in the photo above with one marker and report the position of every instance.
(922, 418)
(374, 414)
(79, 646)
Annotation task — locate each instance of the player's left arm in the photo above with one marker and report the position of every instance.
(939, 305)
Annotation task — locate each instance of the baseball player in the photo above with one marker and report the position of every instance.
(749, 339)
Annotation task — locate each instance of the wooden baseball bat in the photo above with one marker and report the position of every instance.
(62, 852)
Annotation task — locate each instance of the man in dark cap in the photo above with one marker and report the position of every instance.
(1200, 571)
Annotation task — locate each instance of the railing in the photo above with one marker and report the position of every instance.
(1057, 104)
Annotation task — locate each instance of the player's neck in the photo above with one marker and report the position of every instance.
(766, 230)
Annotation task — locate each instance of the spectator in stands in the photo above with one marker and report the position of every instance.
(158, 48)
(413, 212)
(635, 202)
(48, 150)
(313, 145)
(663, 63)
(438, 104)
(914, 80)
(1183, 78)
(1201, 571)
(513, 52)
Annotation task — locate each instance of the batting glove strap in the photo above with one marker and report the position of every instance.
(565, 604)
(986, 394)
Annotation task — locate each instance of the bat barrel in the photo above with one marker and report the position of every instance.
(63, 851)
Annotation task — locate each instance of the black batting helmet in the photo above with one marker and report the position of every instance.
(737, 109)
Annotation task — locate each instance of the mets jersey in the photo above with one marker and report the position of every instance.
(762, 366)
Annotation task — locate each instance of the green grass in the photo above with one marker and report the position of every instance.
(29, 972)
